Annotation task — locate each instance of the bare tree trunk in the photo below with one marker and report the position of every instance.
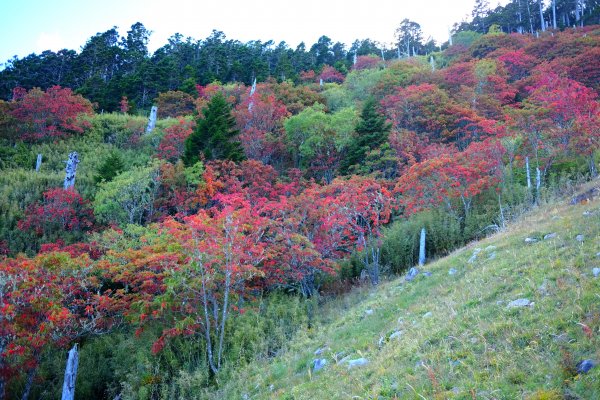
(68, 391)
(553, 14)
(520, 15)
(28, 383)
(252, 90)
(422, 248)
(543, 23)
(502, 218)
(527, 171)
(38, 163)
(224, 312)
(593, 170)
(529, 15)
(71, 170)
(207, 324)
(538, 184)
(152, 119)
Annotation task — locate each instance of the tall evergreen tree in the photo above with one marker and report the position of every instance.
(371, 132)
(215, 135)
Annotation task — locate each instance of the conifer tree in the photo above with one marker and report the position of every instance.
(215, 135)
(111, 167)
(371, 132)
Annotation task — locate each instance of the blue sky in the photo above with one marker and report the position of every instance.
(28, 26)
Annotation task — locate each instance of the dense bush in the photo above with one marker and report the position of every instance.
(400, 245)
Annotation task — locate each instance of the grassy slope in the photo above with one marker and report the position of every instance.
(472, 345)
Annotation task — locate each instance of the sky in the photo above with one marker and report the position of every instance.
(32, 26)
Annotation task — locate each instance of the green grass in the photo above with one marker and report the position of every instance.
(471, 345)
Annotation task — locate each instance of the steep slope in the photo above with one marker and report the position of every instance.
(455, 333)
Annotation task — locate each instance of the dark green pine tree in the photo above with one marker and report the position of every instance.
(371, 132)
(215, 135)
(112, 166)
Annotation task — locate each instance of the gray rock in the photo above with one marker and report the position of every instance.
(319, 364)
(381, 342)
(583, 367)
(490, 248)
(343, 360)
(580, 238)
(550, 236)
(588, 213)
(455, 390)
(369, 312)
(427, 273)
(452, 271)
(271, 387)
(396, 334)
(598, 254)
(321, 350)
(428, 314)
(412, 273)
(492, 256)
(543, 288)
(359, 362)
(474, 256)
(596, 272)
(529, 240)
(520, 303)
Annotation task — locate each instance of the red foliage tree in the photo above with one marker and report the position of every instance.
(223, 248)
(175, 104)
(366, 62)
(518, 64)
(260, 121)
(50, 300)
(308, 76)
(60, 210)
(567, 117)
(50, 114)
(124, 105)
(439, 180)
(330, 74)
(172, 145)
(344, 216)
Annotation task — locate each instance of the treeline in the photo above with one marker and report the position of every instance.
(109, 67)
(530, 16)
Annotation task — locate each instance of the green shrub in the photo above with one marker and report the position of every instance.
(400, 244)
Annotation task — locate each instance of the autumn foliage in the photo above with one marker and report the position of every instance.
(60, 210)
(51, 114)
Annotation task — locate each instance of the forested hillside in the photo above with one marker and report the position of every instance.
(175, 252)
